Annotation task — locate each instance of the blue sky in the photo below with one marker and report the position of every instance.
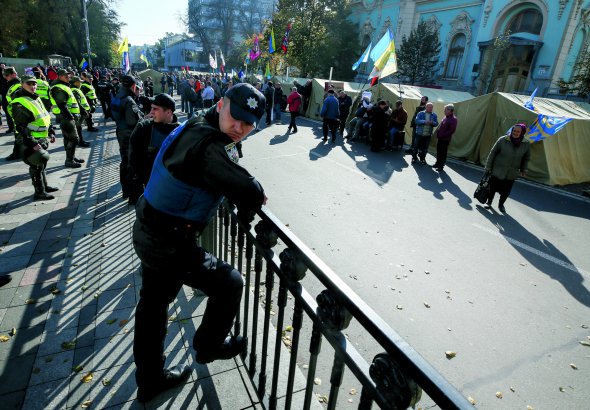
(149, 20)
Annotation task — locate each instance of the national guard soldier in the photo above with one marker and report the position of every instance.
(195, 168)
(66, 109)
(146, 140)
(13, 86)
(42, 88)
(103, 89)
(85, 108)
(33, 125)
(91, 97)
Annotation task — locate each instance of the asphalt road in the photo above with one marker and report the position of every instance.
(510, 294)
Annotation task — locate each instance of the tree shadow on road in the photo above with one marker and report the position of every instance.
(542, 254)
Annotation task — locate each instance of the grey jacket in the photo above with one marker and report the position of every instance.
(506, 160)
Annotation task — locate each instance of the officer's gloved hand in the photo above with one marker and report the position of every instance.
(246, 216)
(92, 110)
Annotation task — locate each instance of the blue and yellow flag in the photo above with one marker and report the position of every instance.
(83, 63)
(271, 42)
(267, 74)
(546, 126)
(124, 50)
(143, 57)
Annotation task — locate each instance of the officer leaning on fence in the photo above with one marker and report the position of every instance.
(195, 168)
(67, 112)
(13, 85)
(33, 125)
(90, 93)
(85, 110)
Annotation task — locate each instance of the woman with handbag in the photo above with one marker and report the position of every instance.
(507, 160)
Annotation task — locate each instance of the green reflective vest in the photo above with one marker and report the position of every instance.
(72, 103)
(88, 91)
(10, 93)
(81, 98)
(42, 89)
(39, 127)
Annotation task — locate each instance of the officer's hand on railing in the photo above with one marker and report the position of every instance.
(246, 216)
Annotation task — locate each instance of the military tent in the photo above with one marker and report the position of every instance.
(318, 91)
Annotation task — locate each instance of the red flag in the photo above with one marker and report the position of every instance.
(374, 81)
(285, 44)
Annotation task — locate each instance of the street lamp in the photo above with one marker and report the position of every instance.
(85, 21)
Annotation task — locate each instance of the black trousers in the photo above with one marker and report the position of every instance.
(70, 136)
(169, 261)
(420, 147)
(9, 121)
(343, 118)
(501, 186)
(330, 124)
(442, 147)
(124, 172)
(293, 124)
(268, 110)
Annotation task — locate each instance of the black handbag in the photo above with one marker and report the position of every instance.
(482, 192)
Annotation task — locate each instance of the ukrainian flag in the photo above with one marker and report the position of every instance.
(271, 42)
(546, 126)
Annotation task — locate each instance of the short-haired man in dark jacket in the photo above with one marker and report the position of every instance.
(330, 114)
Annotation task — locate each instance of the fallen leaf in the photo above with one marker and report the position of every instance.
(322, 398)
(584, 343)
(87, 378)
(30, 301)
(450, 354)
(289, 328)
(529, 408)
(317, 381)
(427, 305)
(352, 392)
(561, 389)
(124, 322)
(84, 287)
(584, 326)
(499, 394)
(399, 307)
(471, 400)
(86, 404)
(4, 338)
(111, 321)
(106, 382)
(78, 368)
(573, 366)
(68, 345)
(512, 389)
(12, 331)
(427, 272)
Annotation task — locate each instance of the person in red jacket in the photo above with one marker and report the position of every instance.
(294, 100)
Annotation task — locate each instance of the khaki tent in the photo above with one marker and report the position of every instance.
(156, 77)
(559, 160)
(318, 91)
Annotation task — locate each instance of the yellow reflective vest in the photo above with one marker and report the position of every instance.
(89, 91)
(72, 103)
(42, 89)
(13, 89)
(81, 98)
(39, 127)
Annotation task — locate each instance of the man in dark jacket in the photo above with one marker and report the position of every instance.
(12, 85)
(379, 119)
(104, 90)
(126, 114)
(269, 95)
(278, 101)
(344, 104)
(194, 170)
(146, 140)
(330, 114)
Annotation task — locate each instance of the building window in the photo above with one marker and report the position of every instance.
(455, 59)
(527, 21)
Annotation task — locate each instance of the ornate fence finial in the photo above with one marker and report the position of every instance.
(265, 235)
(399, 389)
(292, 265)
(331, 312)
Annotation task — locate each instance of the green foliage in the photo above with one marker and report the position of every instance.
(579, 83)
(321, 37)
(37, 28)
(418, 54)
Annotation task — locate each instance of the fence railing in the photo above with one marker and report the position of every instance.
(395, 378)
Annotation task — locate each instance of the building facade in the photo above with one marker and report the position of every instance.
(489, 45)
(183, 53)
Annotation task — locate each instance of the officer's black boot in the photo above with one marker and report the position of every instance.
(40, 193)
(70, 162)
(82, 143)
(48, 188)
(15, 152)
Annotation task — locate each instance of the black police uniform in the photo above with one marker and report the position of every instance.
(202, 161)
(104, 89)
(144, 144)
(126, 114)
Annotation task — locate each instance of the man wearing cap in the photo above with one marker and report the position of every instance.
(126, 114)
(330, 113)
(194, 170)
(33, 125)
(85, 110)
(145, 142)
(90, 93)
(42, 87)
(67, 112)
(13, 84)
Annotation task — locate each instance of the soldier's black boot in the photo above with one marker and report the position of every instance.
(15, 153)
(40, 193)
(48, 188)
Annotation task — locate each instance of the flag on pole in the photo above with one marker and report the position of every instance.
(267, 72)
(381, 46)
(529, 103)
(83, 63)
(285, 43)
(386, 63)
(546, 126)
(255, 52)
(143, 57)
(271, 42)
(241, 74)
(124, 51)
(222, 65)
(247, 59)
(364, 58)
(212, 62)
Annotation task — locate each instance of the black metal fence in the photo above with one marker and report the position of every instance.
(395, 378)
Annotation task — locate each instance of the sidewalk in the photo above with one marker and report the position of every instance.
(73, 293)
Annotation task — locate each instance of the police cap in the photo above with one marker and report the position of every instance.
(164, 101)
(28, 79)
(247, 103)
(128, 80)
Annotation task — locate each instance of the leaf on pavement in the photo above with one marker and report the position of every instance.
(450, 354)
(561, 389)
(427, 305)
(86, 404)
(78, 368)
(289, 328)
(584, 343)
(111, 321)
(30, 301)
(87, 378)
(573, 366)
(12, 331)
(499, 394)
(123, 322)
(68, 345)
(471, 400)
(317, 381)
(399, 307)
(352, 392)
(4, 338)
(106, 382)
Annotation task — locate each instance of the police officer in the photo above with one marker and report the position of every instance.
(194, 169)
(126, 114)
(12, 86)
(85, 110)
(33, 125)
(42, 88)
(145, 142)
(90, 93)
(104, 89)
(67, 111)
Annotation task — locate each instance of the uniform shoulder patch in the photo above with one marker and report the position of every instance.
(232, 152)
